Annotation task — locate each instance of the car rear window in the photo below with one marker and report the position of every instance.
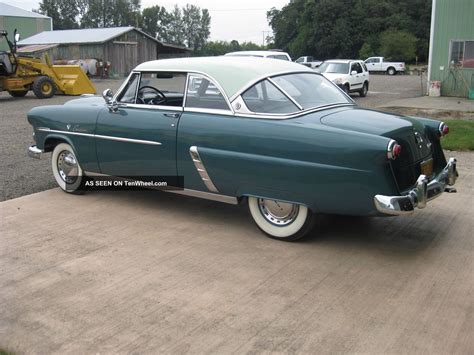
(265, 97)
(310, 90)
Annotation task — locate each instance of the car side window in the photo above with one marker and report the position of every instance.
(161, 88)
(363, 66)
(264, 97)
(202, 93)
(128, 93)
(357, 68)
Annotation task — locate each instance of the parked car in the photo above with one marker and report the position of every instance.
(349, 75)
(280, 138)
(378, 64)
(308, 61)
(262, 54)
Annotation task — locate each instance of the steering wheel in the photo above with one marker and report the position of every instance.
(158, 92)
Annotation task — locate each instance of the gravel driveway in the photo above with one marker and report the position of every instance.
(21, 175)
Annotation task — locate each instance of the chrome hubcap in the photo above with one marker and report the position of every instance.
(67, 167)
(277, 212)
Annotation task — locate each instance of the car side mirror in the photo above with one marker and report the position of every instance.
(108, 96)
(354, 72)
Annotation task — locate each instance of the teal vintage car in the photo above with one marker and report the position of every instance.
(272, 134)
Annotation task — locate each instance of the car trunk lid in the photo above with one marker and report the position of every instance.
(408, 132)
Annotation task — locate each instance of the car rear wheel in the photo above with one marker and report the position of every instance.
(391, 71)
(66, 169)
(18, 93)
(44, 87)
(346, 88)
(281, 220)
(364, 90)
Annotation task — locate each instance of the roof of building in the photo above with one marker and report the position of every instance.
(35, 48)
(13, 11)
(232, 73)
(85, 35)
(88, 35)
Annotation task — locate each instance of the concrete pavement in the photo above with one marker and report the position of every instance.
(121, 272)
(434, 107)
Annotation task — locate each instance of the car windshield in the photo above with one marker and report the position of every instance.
(280, 94)
(338, 68)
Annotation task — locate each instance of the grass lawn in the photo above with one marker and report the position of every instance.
(460, 137)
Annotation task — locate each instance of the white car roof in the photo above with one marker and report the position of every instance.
(343, 60)
(256, 53)
(231, 73)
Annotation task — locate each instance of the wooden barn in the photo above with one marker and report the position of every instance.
(123, 47)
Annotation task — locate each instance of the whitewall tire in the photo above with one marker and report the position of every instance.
(66, 169)
(281, 220)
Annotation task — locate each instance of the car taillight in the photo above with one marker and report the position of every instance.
(393, 150)
(443, 129)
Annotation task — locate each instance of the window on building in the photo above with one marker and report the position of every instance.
(462, 53)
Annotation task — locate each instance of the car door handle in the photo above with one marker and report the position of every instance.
(172, 115)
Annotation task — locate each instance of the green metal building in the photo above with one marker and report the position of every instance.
(451, 56)
(26, 22)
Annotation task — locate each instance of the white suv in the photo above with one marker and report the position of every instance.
(262, 54)
(349, 75)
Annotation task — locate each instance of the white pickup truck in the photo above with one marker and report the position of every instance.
(309, 61)
(377, 64)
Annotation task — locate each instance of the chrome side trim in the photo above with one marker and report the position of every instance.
(99, 136)
(128, 140)
(188, 192)
(292, 115)
(155, 107)
(209, 110)
(193, 151)
(207, 195)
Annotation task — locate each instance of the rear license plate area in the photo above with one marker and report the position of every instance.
(426, 167)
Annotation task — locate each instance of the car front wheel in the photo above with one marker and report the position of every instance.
(66, 169)
(281, 220)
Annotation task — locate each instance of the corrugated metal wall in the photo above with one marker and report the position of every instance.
(26, 26)
(454, 20)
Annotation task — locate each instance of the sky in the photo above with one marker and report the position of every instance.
(243, 20)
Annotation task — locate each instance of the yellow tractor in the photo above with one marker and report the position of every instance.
(19, 74)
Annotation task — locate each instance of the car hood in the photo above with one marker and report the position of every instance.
(332, 76)
(370, 121)
(93, 100)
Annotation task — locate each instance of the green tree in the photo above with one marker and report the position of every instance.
(339, 28)
(64, 13)
(398, 45)
(154, 20)
(172, 30)
(196, 26)
(111, 13)
(366, 51)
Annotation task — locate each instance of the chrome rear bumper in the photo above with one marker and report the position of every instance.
(423, 192)
(34, 152)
